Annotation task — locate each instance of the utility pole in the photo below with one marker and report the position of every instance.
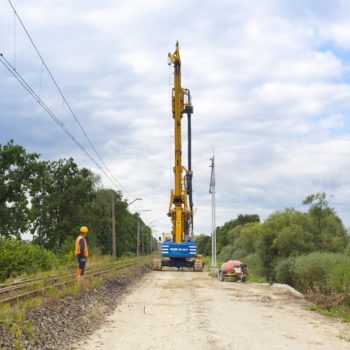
(114, 240)
(142, 246)
(138, 251)
(213, 213)
(138, 237)
(138, 228)
(151, 247)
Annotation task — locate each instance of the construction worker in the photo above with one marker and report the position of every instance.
(81, 252)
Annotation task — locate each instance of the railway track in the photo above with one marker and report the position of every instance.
(12, 292)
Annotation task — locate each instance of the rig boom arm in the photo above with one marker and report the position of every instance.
(180, 250)
(180, 210)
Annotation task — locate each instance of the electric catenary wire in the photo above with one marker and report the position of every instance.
(115, 181)
(37, 98)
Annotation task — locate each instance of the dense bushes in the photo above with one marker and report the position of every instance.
(284, 234)
(203, 244)
(17, 257)
(339, 277)
(307, 250)
(284, 270)
(254, 264)
(326, 272)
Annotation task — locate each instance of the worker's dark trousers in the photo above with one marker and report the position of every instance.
(81, 266)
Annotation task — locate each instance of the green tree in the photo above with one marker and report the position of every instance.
(241, 241)
(293, 241)
(100, 217)
(283, 234)
(222, 232)
(248, 236)
(126, 224)
(61, 202)
(18, 170)
(327, 228)
(53, 199)
(243, 219)
(203, 244)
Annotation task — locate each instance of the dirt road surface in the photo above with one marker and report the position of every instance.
(186, 310)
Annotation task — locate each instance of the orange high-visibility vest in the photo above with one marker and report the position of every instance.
(77, 247)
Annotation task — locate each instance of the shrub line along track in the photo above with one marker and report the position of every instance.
(18, 286)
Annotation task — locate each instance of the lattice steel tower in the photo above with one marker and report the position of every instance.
(213, 213)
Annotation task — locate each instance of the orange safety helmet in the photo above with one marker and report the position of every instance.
(84, 229)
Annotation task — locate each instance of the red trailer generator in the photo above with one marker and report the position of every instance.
(235, 269)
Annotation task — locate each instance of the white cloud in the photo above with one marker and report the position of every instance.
(334, 121)
(338, 32)
(270, 94)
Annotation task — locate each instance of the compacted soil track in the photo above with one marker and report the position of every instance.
(189, 310)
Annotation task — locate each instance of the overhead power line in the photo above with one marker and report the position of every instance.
(42, 104)
(38, 99)
(13, 71)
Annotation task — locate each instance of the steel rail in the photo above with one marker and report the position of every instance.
(30, 282)
(89, 274)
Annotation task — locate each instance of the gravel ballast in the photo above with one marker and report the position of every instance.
(59, 323)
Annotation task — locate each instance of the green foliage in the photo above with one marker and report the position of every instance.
(129, 254)
(126, 225)
(284, 271)
(292, 241)
(247, 237)
(13, 321)
(254, 264)
(342, 312)
(310, 250)
(67, 247)
(203, 245)
(60, 202)
(53, 199)
(226, 253)
(18, 170)
(313, 270)
(17, 257)
(252, 277)
(327, 228)
(222, 232)
(67, 253)
(325, 271)
(338, 279)
(347, 249)
(283, 234)
(292, 233)
(324, 277)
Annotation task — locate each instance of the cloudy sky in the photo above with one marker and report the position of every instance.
(270, 82)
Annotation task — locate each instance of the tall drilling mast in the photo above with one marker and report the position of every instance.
(179, 211)
(180, 250)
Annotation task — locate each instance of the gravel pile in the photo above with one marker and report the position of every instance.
(61, 322)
